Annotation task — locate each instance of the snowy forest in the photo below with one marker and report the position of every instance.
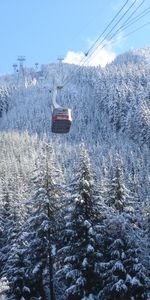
(75, 208)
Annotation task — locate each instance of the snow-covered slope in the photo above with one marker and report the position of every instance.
(104, 102)
(41, 184)
(110, 106)
(135, 56)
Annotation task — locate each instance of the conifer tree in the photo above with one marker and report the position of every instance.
(10, 222)
(16, 271)
(80, 252)
(119, 197)
(122, 272)
(41, 227)
(12, 250)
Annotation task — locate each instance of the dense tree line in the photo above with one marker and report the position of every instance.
(81, 238)
(75, 211)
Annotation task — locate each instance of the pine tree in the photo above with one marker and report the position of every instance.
(10, 222)
(123, 274)
(119, 197)
(41, 227)
(16, 271)
(13, 250)
(80, 253)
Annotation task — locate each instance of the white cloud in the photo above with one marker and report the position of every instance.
(74, 57)
(99, 57)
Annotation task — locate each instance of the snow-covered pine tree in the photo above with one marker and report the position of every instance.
(78, 256)
(12, 250)
(119, 197)
(122, 272)
(4, 100)
(10, 222)
(146, 240)
(41, 226)
(16, 271)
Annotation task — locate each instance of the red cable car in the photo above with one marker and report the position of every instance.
(61, 117)
(61, 120)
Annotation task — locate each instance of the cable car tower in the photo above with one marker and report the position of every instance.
(15, 68)
(61, 116)
(36, 66)
(21, 60)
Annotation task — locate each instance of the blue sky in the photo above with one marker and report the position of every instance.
(43, 30)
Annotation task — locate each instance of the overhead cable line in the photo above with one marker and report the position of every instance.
(131, 32)
(108, 34)
(120, 19)
(132, 21)
(137, 8)
(101, 35)
(84, 60)
(109, 24)
(127, 23)
(124, 27)
(137, 29)
(138, 17)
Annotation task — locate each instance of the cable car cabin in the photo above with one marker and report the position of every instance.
(61, 120)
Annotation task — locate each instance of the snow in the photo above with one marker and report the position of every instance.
(111, 116)
(90, 249)
(26, 289)
(68, 224)
(85, 183)
(73, 274)
(41, 190)
(4, 287)
(89, 297)
(119, 286)
(36, 268)
(80, 281)
(135, 281)
(85, 263)
(46, 200)
(71, 258)
(118, 266)
(91, 231)
(71, 290)
(87, 224)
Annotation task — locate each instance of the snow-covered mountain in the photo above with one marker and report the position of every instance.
(111, 117)
(110, 106)
(104, 102)
(135, 56)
